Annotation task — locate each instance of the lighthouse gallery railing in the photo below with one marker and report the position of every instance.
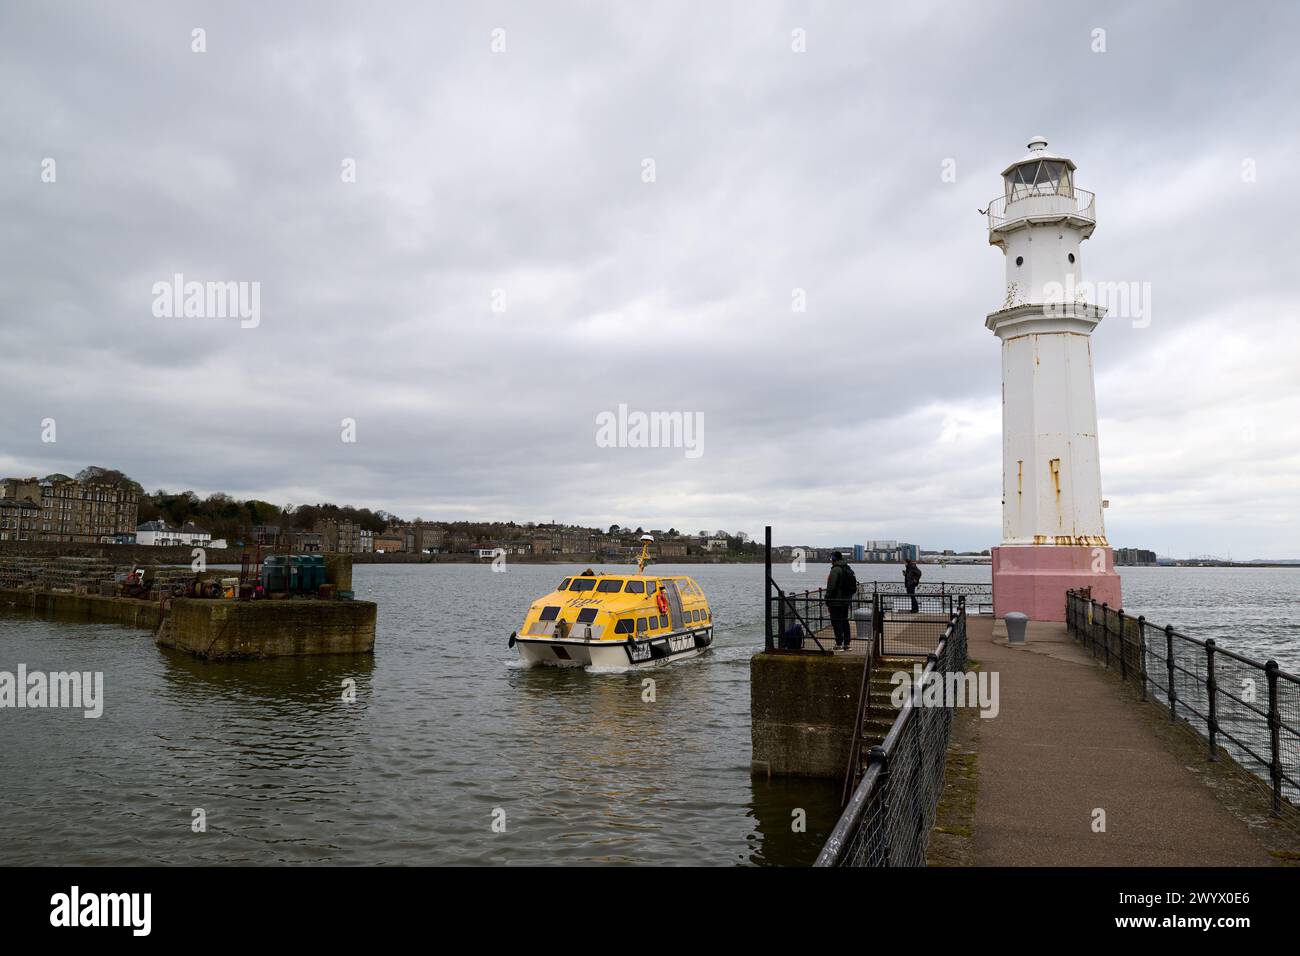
(1085, 207)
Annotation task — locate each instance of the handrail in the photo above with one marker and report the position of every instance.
(875, 779)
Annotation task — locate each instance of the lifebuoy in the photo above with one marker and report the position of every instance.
(661, 602)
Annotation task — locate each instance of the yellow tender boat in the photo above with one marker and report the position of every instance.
(617, 620)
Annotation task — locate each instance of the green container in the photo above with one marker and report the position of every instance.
(317, 564)
(275, 573)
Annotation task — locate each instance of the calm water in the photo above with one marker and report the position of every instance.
(446, 729)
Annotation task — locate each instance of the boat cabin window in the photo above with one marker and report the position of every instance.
(663, 620)
(549, 613)
(582, 584)
(636, 587)
(624, 626)
(650, 587)
(564, 584)
(610, 585)
(641, 624)
(586, 615)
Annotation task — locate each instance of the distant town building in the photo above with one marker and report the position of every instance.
(91, 512)
(1135, 557)
(19, 520)
(155, 534)
(884, 552)
(344, 536)
(158, 534)
(389, 542)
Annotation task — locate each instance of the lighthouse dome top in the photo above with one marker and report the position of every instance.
(1038, 152)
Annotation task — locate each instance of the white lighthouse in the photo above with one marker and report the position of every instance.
(1053, 537)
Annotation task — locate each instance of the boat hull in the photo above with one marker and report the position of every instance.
(647, 652)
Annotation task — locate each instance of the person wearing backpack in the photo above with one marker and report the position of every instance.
(911, 578)
(841, 589)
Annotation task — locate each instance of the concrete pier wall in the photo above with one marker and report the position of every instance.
(220, 630)
(132, 613)
(223, 630)
(803, 709)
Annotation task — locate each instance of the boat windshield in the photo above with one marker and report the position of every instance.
(610, 585)
(636, 587)
(582, 584)
(564, 585)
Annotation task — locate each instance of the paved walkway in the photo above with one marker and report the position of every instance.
(1066, 742)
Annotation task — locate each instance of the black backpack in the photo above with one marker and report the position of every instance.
(848, 583)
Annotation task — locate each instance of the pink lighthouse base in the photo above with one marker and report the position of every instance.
(1033, 579)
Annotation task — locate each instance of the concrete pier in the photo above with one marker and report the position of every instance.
(85, 607)
(224, 630)
(1070, 741)
(221, 629)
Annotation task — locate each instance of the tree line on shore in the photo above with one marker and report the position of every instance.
(225, 516)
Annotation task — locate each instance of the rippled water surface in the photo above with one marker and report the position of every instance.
(447, 728)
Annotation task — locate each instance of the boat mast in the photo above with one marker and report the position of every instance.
(646, 541)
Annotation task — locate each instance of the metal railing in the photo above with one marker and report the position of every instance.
(888, 819)
(1240, 706)
(882, 611)
(1085, 207)
(979, 597)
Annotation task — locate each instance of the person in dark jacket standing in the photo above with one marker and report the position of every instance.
(911, 578)
(841, 588)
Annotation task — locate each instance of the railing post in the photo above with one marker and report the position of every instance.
(877, 627)
(780, 616)
(1142, 652)
(1093, 607)
(767, 602)
(1274, 737)
(1211, 721)
(1105, 630)
(1169, 662)
(1123, 644)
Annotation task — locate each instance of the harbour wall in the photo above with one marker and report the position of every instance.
(803, 709)
(219, 629)
(84, 607)
(119, 553)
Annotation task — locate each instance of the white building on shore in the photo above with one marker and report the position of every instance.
(158, 534)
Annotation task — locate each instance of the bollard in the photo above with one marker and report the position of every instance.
(1016, 622)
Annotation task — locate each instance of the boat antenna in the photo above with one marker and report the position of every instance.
(646, 541)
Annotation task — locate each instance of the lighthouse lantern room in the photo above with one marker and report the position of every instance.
(1053, 536)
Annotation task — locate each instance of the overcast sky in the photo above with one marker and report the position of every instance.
(875, 413)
